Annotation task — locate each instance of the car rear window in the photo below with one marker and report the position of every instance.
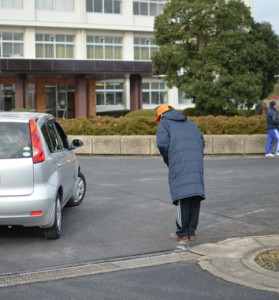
(15, 140)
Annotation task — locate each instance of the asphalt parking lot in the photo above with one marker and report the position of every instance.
(127, 212)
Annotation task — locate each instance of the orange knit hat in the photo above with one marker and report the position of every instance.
(162, 109)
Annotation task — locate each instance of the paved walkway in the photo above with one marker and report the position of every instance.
(234, 260)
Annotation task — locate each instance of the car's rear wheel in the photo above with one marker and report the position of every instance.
(80, 193)
(54, 231)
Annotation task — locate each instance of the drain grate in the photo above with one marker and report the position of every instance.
(94, 268)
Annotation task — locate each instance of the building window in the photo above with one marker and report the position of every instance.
(11, 44)
(109, 93)
(183, 99)
(7, 97)
(54, 45)
(104, 47)
(60, 100)
(17, 4)
(148, 7)
(104, 6)
(58, 5)
(144, 47)
(154, 93)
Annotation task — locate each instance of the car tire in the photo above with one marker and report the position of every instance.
(54, 231)
(81, 190)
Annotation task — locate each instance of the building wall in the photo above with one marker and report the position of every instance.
(46, 22)
(78, 22)
(249, 3)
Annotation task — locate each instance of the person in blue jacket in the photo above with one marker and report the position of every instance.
(181, 145)
(272, 123)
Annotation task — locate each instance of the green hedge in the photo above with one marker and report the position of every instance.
(134, 124)
(114, 113)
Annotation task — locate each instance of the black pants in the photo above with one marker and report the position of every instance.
(187, 217)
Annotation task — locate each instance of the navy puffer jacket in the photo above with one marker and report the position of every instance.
(272, 120)
(181, 145)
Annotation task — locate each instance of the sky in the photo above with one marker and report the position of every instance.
(267, 11)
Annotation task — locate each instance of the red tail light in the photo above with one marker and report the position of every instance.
(36, 213)
(37, 145)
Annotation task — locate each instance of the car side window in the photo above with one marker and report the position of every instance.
(63, 135)
(52, 138)
(47, 138)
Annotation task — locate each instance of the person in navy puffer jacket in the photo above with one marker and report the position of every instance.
(272, 123)
(181, 145)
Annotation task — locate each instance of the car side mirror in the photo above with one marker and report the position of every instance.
(76, 143)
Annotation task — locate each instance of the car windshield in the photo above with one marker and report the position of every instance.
(15, 140)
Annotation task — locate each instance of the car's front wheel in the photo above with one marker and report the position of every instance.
(80, 192)
(54, 231)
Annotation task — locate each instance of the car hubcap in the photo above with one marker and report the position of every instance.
(80, 189)
(58, 215)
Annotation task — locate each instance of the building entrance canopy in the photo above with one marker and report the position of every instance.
(82, 74)
(99, 70)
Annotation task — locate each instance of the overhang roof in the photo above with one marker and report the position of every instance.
(98, 69)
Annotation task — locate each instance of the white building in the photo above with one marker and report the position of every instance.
(74, 58)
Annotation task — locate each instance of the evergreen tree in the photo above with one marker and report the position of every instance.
(216, 53)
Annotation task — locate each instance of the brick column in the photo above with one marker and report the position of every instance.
(41, 95)
(80, 97)
(92, 97)
(135, 92)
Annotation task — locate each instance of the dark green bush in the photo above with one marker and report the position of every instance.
(143, 113)
(114, 114)
(22, 110)
(110, 126)
(246, 112)
(144, 125)
(191, 111)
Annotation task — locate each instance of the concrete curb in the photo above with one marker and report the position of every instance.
(234, 260)
(146, 145)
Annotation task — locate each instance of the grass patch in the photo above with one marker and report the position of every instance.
(269, 260)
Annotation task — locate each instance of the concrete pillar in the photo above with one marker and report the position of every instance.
(21, 91)
(80, 97)
(135, 92)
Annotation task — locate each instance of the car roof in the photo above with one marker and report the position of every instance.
(22, 116)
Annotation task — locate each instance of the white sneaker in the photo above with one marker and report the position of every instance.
(270, 155)
(277, 154)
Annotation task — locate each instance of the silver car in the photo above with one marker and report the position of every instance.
(39, 172)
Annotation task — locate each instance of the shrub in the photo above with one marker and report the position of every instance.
(191, 111)
(143, 113)
(22, 110)
(114, 114)
(137, 124)
(110, 126)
